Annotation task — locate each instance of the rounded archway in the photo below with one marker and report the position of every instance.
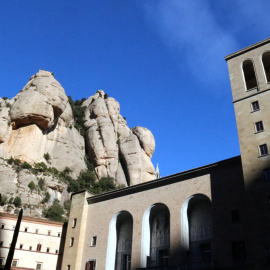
(155, 236)
(120, 242)
(196, 228)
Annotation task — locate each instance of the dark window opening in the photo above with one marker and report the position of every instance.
(1, 243)
(71, 241)
(21, 246)
(249, 74)
(266, 65)
(38, 247)
(238, 250)
(266, 174)
(206, 252)
(263, 150)
(90, 265)
(2, 226)
(74, 223)
(48, 250)
(255, 106)
(163, 257)
(259, 126)
(235, 216)
(94, 241)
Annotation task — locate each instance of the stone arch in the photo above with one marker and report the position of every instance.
(249, 74)
(197, 203)
(266, 65)
(120, 242)
(156, 217)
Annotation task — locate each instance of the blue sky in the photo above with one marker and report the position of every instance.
(162, 60)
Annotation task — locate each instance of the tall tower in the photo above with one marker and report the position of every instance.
(249, 71)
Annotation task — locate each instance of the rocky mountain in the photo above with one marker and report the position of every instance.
(37, 126)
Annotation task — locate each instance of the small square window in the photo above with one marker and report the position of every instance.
(74, 223)
(2, 226)
(71, 241)
(25, 229)
(48, 250)
(59, 234)
(21, 246)
(15, 263)
(255, 106)
(263, 149)
(259, 126)
(235, 216)
(266, 174)
(39, 266)
(94, 241)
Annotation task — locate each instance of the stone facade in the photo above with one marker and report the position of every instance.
(212, 217)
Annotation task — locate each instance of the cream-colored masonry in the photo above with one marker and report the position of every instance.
(100, 215)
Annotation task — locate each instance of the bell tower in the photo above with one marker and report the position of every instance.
(249, 71)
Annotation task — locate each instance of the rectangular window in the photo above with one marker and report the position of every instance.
(94, 241)
(238, 250)
(13, 228)
(263, 149)
(259, 126)
(91, 265)
(38, 247)
(25, 229)
(2, 260)
(266, 174)
(48, 250)
(59, 234)
(49, 232)
(235, 216)
(36, 230)
(15, 263)
(39, 265)
(1, 243)
(56, 251)
(255, 106)
(206, 252)
(71, 241)
(2, 226)
(21, 246)
(68, 267)
(74, 223)
(30, 248)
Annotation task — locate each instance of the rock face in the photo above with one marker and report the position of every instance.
(116, 150)
(39, 120)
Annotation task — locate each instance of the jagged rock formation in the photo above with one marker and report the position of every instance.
(39, 120)
(116, 150)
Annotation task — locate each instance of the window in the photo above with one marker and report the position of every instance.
(255, 106)
(91, 265)
(59, 234)
(238, 250)
(13, 228)
(48, 250)
(15, 263)
(25, 229)
(21, 246)
(206, 252)
(56, 251)
(30, 248)
(263, 149)
(235, 215)
(2, 261)
(249, 75)
(2, 226)
(71, 241)
(266, 65)
(74, 222)
(38, 247)
(36, 230)
(68, 267)
(1, 243)
(49, 232)
(39, 265)
(266, 174)
(259, 126)
(94, 241)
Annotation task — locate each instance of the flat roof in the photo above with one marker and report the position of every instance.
(249, 48)
(178, 177)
